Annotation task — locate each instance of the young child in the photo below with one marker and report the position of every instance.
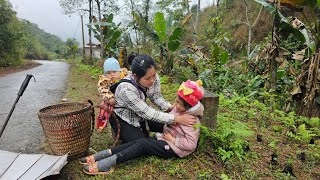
(175, 141)
(112, 74)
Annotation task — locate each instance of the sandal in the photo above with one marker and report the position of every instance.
(87, 160)
(92, 169)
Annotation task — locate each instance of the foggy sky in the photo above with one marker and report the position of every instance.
(47, 14)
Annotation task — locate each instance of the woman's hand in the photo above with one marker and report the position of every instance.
(170, 108)
(169, 137)
(186, 119)
(110, 101)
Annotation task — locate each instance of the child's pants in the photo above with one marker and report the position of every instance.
(142, 147)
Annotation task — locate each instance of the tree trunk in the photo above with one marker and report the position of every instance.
(83, 43)
(134, 26)
(90, 41)
(123, 57)
(272, 69)
(307, 106)
(197, 21)
(146, 19)
(102, 49)
(162, 63)
(169, 63)
(249, 41)
(191, 21)
(273, 65)
(210, 102)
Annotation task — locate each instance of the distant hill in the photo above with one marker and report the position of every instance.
(40, 44)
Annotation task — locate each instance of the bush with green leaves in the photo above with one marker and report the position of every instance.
(92, 70)
(10, 36)
(299, 128)
(229, 138)
(183, 73)
(239, 114)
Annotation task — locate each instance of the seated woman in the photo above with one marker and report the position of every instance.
(136, 117)
(177, 140)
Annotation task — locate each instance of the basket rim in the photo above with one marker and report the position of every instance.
(44, 114)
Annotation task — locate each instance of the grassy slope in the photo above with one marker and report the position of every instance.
(205, 163)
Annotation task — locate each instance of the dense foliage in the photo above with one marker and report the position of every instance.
(40, 44)
(10, 36)
(20, 38)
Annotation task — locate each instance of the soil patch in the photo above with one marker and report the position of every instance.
(27, 64)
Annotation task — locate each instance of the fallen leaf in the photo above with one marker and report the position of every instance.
(318, 99)
(296, 90)
(298, 55)
(284, 51)
(291, 71)
(284, 64)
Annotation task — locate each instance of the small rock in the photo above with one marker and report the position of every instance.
(259, 138)
(311, 141)
(64, 100)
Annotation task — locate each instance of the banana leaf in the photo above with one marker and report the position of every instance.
(175, 39)
(160, 26)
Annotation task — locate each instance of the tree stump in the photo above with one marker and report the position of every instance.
(210, 102)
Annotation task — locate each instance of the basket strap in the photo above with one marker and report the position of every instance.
(92, 115)
(114, 116)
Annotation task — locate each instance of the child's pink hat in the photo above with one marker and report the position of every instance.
(191, 91)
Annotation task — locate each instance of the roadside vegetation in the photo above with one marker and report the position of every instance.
(21, 39)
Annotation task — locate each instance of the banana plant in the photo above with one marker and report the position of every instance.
(167, 36)
(307, 84)
(111, 33)
(168, 40)
(171, 40)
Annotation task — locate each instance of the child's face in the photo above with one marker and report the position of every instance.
(179, 105)
(114, 75)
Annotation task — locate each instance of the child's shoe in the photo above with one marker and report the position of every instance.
(95, 157)
(92, 169)
(87, 160)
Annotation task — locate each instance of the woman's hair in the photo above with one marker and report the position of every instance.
(141, 64)
(131, 56)
(186, 105)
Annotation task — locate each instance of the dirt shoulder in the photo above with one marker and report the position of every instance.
(27, 64)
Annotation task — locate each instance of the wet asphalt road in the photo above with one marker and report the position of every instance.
(23, 132)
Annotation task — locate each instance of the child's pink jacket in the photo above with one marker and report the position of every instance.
(186, 136)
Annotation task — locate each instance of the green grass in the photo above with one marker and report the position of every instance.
(252, 116)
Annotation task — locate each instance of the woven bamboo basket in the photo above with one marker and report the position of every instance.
(67, 127)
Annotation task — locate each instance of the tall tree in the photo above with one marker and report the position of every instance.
(72, 45)
(94, 9)
(82, 7)
(10, 36)
(250, 24)
(90, 40)
(104, 7)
